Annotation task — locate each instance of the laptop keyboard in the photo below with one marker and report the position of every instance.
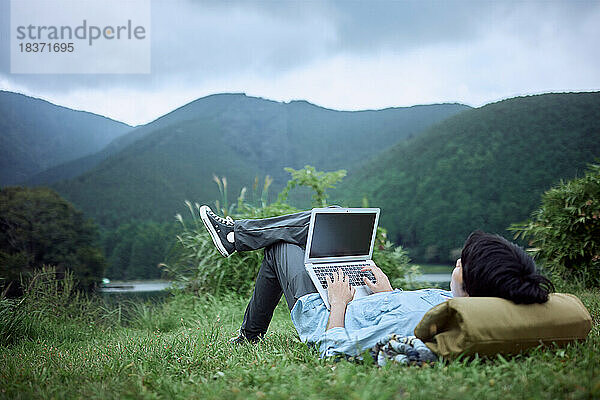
(353, 271)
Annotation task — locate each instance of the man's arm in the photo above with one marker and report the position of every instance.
(340, 293)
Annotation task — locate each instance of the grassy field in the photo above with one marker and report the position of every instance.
(179, 349)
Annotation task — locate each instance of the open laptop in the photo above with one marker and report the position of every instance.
(341, 238)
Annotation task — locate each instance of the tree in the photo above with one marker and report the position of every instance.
(135, 249)
(565, 230)
(37, 228)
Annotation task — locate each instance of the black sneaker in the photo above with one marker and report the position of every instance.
(241, 339)
(220, 229)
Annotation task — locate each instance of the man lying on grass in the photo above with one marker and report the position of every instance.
(489, 266)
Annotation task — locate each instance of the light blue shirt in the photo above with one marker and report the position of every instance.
(367, 320)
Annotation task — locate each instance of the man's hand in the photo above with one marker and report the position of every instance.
(339, 290)
(383, 283)
(340, 293)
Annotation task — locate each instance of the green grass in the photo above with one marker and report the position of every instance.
(179, 349)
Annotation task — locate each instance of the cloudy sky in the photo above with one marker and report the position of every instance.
(346, 55)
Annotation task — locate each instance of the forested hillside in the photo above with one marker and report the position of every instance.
(481, 169)
(36, 135)
(239, 137)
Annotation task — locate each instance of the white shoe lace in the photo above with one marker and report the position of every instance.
(225, 221)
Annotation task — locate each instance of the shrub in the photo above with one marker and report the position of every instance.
(202, 268)
(565, 231)
(317, 181)
(197, 263)
(48, 306)
(52, 307)
(394, 262)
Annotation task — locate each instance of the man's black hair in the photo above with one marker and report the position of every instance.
(493, 266)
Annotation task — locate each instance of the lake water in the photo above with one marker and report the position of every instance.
(135, 286)
(123, 292)
(154, 288)
(435, 278)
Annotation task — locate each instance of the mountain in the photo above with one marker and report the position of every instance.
(275, 135)
(147, 173)
(36, 135)
(484, 169)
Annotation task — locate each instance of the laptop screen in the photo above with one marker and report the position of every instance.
(342, 234)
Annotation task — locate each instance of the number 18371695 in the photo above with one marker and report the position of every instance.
(43, 47)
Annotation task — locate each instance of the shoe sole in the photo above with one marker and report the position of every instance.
(211, 230)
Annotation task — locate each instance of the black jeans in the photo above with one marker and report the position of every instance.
(282, 270)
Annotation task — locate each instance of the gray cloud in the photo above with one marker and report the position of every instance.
(270, 47)
(409, 24)
(193, 41)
